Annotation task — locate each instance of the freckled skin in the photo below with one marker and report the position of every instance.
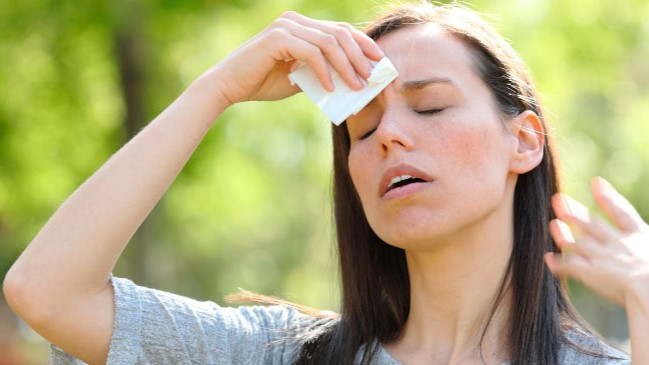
(466, 147)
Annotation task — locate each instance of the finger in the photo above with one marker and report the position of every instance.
(573, 212)
(367, 44)
(584, 246)
(574, 266)
(346, 37)
(335, 53)
(562, 235)
(616, 206)
(288, 47)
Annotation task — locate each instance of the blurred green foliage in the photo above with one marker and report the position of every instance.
(252, 207)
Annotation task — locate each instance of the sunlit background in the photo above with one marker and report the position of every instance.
(252, 207)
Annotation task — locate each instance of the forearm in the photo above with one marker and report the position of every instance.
(76, 250)
(61, 280)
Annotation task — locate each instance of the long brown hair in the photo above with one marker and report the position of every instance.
(375, 282)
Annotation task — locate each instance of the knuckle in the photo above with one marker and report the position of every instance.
(329, 40)
(314, 53)
(346, 26)
(340, 32)
(280, 23)
(289, 14)
(275, 34)
(311, 53)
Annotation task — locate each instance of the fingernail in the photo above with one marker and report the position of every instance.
(331, 86)
(576, 209)
(606, 186)
(565, 230)
(368, 69)
(360, 80)
(571, 203)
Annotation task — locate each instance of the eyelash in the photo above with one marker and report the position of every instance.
(429, 111)
(421, 112)
(366, 134)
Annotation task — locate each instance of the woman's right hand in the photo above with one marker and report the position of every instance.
(258, 69)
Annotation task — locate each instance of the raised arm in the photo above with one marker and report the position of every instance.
(611, 261)
(60, 284)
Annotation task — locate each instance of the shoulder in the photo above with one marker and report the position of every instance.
(581, 347)
(136, 301)
(153, 326)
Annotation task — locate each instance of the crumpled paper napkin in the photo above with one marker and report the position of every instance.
(343, 101)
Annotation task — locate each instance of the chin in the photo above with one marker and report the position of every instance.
(425, 231)
(409, 236)
(415, 243)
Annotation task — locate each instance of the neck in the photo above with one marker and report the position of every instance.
(453, 304)
(456, 315)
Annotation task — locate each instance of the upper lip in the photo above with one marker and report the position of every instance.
(399, 170)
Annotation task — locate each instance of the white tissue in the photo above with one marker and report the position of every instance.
(343, 102)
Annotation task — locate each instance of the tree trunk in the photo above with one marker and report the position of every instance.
(129, 49)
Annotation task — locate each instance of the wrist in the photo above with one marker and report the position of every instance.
(637, 295)
(209, 87)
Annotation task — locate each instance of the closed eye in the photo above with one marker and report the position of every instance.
(428, 111)
(366, 134)
(421, 112)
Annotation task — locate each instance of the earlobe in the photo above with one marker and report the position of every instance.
(529, 133)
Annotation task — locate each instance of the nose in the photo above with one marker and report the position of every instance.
(394, 132)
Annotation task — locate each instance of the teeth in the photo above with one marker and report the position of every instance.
(399, 178)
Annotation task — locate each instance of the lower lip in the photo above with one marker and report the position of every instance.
(406, 190)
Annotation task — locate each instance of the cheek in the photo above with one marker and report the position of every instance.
(357, 162)
(477, 147)
(473, 173)
(475, 164)
(362, 168)
(474, 148)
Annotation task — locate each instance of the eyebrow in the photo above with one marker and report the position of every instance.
(420, 84)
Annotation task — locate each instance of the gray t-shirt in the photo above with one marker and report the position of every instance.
(155, 327)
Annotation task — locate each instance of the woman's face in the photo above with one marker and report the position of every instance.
(430, 156)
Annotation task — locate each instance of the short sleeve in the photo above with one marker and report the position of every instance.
(586, 349)
(156, 327)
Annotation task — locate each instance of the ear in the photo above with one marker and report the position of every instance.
(529, 136)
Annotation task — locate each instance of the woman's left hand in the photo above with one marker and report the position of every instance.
(613, 261)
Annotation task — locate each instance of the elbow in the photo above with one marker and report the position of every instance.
(26, 303)
(11, 289)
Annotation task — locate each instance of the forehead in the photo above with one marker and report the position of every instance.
(423, 51)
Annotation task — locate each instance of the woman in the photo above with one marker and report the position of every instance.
(442, 188)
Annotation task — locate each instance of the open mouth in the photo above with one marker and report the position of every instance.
(402, 180)
(403, 176)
